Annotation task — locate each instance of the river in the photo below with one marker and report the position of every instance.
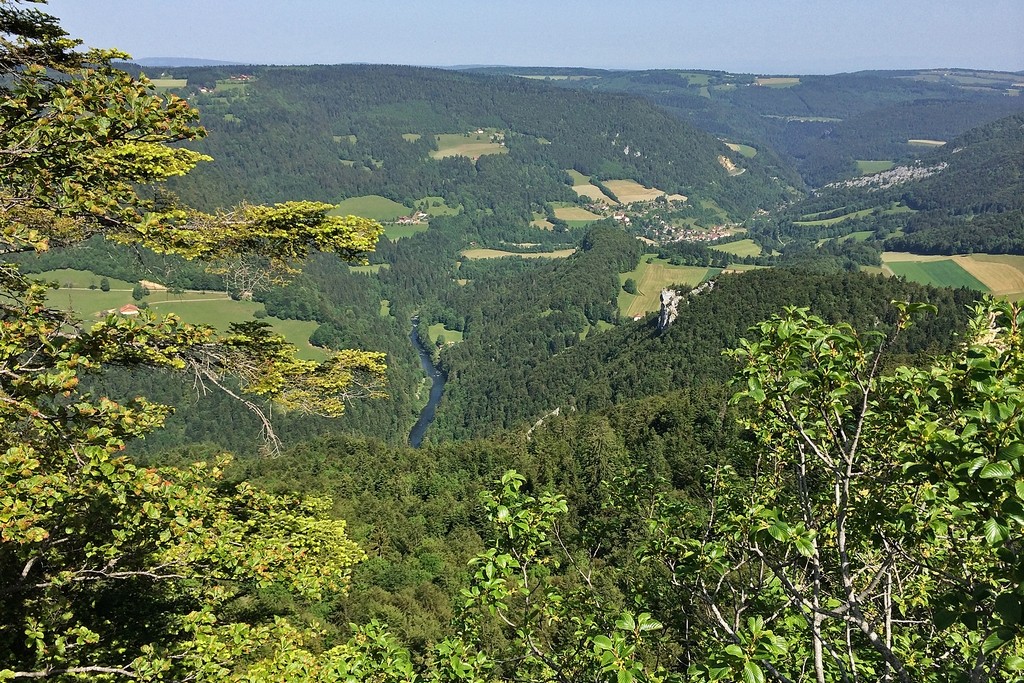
(436, 388)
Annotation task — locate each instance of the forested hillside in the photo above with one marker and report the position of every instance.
(821, 124)
(336, 132)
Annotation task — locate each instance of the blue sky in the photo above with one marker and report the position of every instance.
(762, 36)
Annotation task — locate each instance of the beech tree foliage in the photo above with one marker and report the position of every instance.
(108, 569)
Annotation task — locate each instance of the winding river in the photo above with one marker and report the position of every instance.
(436, 388)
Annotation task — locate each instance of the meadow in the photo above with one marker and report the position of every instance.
(582, 186)
(998, 274)
(629, 191)
(371, 206)
(868, 166)
(169, 83)
(740, 248)
(777, 81)
(651, 278)
(576, 216)
(437, 330)
(942, 273)
(745, 150)
(395, 232)
(498, 253)
(216, 309)
(473, 145)
(812, 221)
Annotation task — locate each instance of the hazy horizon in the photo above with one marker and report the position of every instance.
(784, 36)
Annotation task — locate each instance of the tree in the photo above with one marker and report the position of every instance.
(629, 286)
(873, 535)
(108, 570)
(104, 285)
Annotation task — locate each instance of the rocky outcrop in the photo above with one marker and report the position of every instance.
(671, 299)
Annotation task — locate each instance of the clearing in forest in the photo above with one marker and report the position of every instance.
(438, 330)
(371, 206)
(575, 216)
(740, 248)
(922, 142)
(651, 278)
(582, 186)
(473, 145)
(629, 191)
(745, 150)
(777, 81)
(498, 253)
(196, 307)
(869, 166)
(541, 221)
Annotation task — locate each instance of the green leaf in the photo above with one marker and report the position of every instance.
(805, 545)
(752, 673)
(734, 650)
(996, 470)
(995, 531)
(1012, 452)
(996, 640)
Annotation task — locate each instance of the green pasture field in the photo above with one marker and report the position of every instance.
(192, 306)
(697, 79)
(169, 83)
(894, 207)
(220, 313)
(450, 336)
(577, 177)
(372, 268)
(497, 253)
(741, 248)
(1000, 274)
(742, 267)
(744, 150)
(858, 236)
(385, 308)
(868, 166)
(228, 84)
(712, 205)
(944, 273)
(441, 210)
(576, 215)
(473, 146)
(396, 232)
(601, 326)
(371, 206)
(81, 279)
(650, 279)
(899, 208)
(777, 81)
